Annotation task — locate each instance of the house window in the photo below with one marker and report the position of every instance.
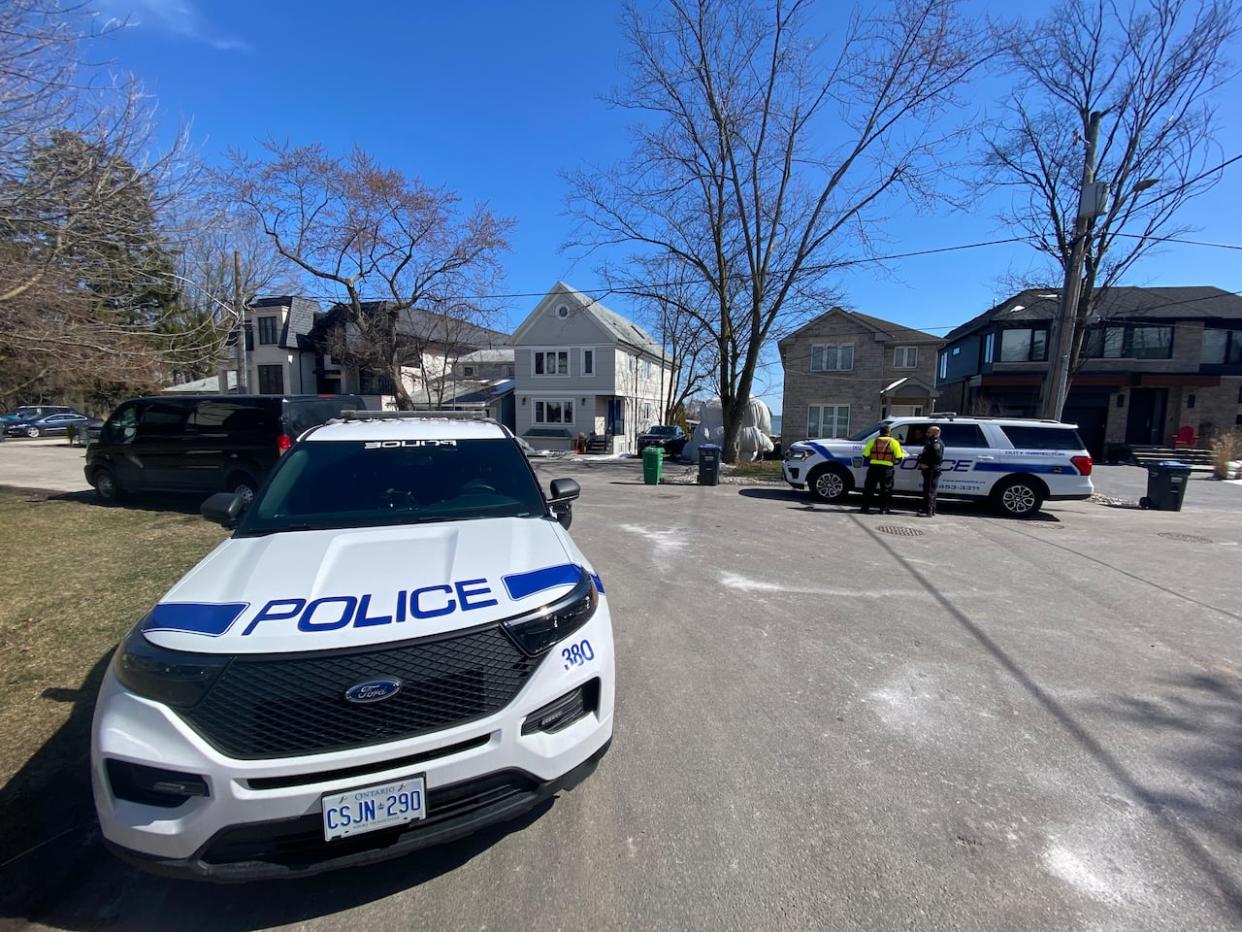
(647, 369)
(1024, 345)
(271, 380)
(989, 348)
(267, 331)
(906, 357)
(588, 362)
(467, 371)
(827, 421)
(554, 412)
(552, 362)
(944, 366)
(562, 312)
(1129, 341)
(509, 371)
(831, 358)
(1222, 347)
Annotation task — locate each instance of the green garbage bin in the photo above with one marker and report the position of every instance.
(653, 465)
(1166, 486)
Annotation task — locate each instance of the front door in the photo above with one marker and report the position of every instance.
(1145, 420)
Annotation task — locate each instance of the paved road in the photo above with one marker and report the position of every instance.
(42, 464)
(993, 725)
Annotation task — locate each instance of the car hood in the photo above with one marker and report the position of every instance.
(317, 590)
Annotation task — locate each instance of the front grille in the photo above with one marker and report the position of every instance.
(275, 706)
(299, 842)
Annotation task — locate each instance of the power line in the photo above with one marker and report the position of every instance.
(1186, 184)
(1174, 239)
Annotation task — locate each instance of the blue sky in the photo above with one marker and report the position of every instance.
(496, 99)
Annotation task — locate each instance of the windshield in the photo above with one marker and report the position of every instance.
(365, 484)
(865, 432)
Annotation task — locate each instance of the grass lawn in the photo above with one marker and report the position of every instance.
(763, 469)
(77, 576)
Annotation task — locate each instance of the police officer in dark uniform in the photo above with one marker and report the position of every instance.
(931, 461)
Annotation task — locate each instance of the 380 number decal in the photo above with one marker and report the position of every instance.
(575, 655)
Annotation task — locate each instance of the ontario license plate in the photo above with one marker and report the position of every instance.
(369, 808)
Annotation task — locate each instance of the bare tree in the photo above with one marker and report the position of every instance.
(1152, 70)
(361, 228)
(761, 157)
(688, 345)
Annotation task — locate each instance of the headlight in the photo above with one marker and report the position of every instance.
(172, 677)
(797, 453)
(534, 633)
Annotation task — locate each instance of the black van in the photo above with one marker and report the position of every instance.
(202, 443)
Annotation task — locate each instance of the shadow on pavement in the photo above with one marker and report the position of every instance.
(903, 506)
(107, 893)
(1214, 874)
(1205, 712)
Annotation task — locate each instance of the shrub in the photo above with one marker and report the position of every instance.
(1226, 448)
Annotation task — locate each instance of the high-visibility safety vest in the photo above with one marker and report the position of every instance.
(882, 451)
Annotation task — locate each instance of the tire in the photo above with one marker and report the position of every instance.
(1144, 502)
(1018, 497)
(829, 484)
(107, 488)
(32, 432)
(245, 487)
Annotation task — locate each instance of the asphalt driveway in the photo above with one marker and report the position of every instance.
(843, 721)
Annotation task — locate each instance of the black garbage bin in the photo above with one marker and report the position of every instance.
(1166, 485)
(709, 464)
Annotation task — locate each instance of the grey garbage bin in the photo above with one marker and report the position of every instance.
(709, 464)
(1166, 485)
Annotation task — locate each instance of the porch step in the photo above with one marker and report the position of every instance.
(597, 445)
(1197, 459)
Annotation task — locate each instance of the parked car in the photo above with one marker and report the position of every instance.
(30, 412)
(669, 437)
(253, 728)
(49, 425)
(202, 443)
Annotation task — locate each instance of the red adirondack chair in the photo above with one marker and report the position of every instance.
(1185, 438)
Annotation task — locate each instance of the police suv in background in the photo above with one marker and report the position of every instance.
(399, 644)
(1015, 463)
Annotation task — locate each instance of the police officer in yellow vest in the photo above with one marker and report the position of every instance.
(882, 454)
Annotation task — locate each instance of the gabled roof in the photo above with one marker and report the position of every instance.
(896, 332)
(613, 324)
(1122, 302)
(421, 325)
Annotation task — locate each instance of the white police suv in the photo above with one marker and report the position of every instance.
(1016, 463)
(398, 645)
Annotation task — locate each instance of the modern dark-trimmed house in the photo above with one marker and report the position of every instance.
(837, 365)
(444, 342)
(1159, 360)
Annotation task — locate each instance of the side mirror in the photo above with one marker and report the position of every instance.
(224, 508)
(564, 491)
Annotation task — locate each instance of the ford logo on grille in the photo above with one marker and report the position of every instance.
(373, 691)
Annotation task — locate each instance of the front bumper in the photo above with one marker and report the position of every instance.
(273, 804)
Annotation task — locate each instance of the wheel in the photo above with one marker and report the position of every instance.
(1018, 497)
(829, 484)
(1144, 502)
(245, 487)
(106, 487)
(32, 432)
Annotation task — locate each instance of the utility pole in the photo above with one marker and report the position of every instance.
(1090, 205)
(240, 310)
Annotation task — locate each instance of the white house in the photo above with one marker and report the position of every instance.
(580, 368)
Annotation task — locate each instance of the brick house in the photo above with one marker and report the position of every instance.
(837, 365)
(1159, 359)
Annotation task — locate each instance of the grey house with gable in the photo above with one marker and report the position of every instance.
(580, 368)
